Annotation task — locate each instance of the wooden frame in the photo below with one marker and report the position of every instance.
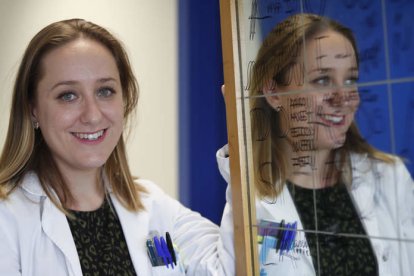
(243, 194)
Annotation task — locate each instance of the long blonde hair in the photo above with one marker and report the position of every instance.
(25, 149)
(277, 55)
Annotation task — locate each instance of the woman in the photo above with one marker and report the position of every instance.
(322, 189)
(69, 204)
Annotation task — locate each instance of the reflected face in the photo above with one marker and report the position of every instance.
(320, 106)
(79, 105)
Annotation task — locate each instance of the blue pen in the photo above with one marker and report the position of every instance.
(160, 252)
(284, 238)
(293, 234)
(280, 235)
(167, 254)
(290, 236)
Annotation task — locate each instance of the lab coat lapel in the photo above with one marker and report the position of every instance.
(56, 227)
(135, 226)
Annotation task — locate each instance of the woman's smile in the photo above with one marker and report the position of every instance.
(97, 136)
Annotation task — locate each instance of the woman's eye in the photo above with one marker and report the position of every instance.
(67, 96)
(105, 92)
(351, 81)
(322, 81)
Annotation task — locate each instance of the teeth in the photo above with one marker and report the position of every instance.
(334, 119)
(90, 136)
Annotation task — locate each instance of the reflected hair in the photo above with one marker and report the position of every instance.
(25, 149)
(278, 54)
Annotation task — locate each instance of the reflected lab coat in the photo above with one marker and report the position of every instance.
(35, 238)
(384, 198)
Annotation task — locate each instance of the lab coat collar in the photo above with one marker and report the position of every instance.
(31, 185)
(53, 221)
(56, 227)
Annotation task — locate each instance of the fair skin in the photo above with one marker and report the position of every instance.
(319, 108)
(79, 107)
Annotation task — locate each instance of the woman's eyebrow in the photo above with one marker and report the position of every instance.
(321, 70)
(73, 82)
(108, 79)
(67, 82)
(344, 55)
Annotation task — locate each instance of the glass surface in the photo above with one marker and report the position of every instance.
(339, 202)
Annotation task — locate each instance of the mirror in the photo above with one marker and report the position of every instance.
(311, 118)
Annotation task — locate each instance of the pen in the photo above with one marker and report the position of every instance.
(280, 235)
(151, 252)
(293, 235)
(160, 251)
(284, 238)
(166, 252)
(171, 247)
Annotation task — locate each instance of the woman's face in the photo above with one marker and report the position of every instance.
(79, 105)
(319, 103)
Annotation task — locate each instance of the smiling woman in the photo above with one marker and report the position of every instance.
(66, 191)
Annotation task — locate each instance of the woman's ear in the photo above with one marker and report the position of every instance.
(270, 93)
(33, 113)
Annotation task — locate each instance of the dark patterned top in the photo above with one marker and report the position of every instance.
(336, 213)
(100, 242)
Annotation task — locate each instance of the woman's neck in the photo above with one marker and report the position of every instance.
(313, 169)
(86, 188)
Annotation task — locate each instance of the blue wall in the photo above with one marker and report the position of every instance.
(202, 122)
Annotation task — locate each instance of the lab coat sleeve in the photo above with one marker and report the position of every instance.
(227, 236)
(9, 255)
(197, 239)
(226, 226)
(200, 245)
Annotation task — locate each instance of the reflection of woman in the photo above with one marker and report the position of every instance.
(69, 205)
(313, 170)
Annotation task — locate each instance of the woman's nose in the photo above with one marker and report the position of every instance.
(91, 111)
(338, 97)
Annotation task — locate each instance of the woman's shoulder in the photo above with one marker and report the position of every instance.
(385, 161)
(21, 207)
(27, 189)
(154, 195)
(391, 169)
(150, 188)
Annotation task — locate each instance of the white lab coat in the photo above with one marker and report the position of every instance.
(35, 238)
(384, 197)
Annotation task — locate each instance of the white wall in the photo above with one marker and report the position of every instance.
(148, 30)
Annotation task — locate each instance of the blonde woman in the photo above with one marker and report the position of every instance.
(69, 204)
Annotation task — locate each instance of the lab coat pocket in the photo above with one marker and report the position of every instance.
(164, 271)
